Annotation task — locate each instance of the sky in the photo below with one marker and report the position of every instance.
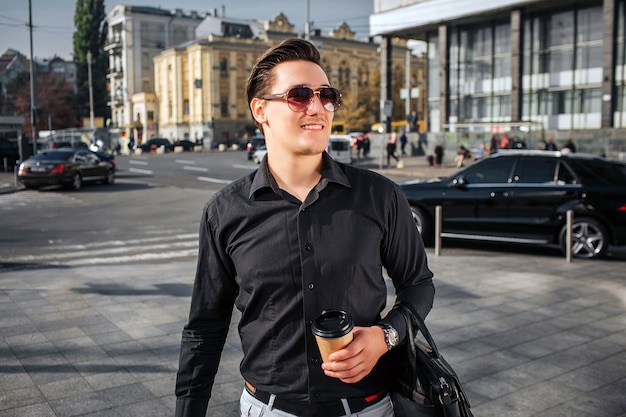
(53, 21)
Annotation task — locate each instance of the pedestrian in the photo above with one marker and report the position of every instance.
(569, 146)
(403, 142)
(493, 144)
(438, 155)
(550, 145)
(391, 148)
(462, 154)
(301, 234)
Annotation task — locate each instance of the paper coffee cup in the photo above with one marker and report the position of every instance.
(333, 331)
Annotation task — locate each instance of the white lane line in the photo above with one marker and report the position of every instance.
(86, 254)
(133, 258)
(201, 169)
(135, 162)
(245, 166)
(186, 161)
(215, 180)
(140, 171)
(110, 243)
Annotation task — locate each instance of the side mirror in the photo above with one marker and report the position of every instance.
(459, 182)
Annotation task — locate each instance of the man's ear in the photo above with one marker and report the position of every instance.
(257, 107)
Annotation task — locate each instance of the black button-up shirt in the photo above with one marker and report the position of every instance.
(281, 262)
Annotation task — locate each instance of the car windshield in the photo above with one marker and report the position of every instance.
(339, 145)
(599, 172)
(52, 156)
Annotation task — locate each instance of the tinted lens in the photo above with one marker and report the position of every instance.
(331, 98)
(299, 98)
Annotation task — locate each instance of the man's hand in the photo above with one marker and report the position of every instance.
(355, 361)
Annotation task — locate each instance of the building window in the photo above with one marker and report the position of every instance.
(224, 67)
(224, 106)
(186, 107)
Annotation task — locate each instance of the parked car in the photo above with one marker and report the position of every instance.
(57, 144)
(340, 148)
(186, 144)
(64, 167)
(255, 143)
(154, 143)
(523, 197)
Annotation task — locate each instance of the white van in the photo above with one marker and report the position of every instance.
(340, 148)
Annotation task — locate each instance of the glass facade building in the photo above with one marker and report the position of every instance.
(557, 65)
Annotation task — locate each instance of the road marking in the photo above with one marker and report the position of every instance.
(215, 180)
(185, 161)
(135, 162)
(248, 167)
(140, 171)
(174, 246)
(188, 168)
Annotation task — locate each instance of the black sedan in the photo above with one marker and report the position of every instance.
(523, 197)
(64, 167)
(154, 143)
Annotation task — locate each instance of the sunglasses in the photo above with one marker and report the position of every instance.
(300, 98)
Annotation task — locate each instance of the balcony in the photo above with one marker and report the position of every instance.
(113, 43)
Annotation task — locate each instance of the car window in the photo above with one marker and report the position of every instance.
(491, 171)
(536, 171)
(598, 172)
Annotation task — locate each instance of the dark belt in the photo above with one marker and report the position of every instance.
(321, 409)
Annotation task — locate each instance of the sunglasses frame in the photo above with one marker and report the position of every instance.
(285, 96)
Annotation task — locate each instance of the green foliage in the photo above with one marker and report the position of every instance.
(90, 35)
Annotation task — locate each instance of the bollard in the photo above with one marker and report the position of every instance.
(438, 222)
(569, 220)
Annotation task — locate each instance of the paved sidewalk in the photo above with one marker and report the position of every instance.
(529, 334)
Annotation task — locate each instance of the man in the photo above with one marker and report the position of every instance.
(300, 235)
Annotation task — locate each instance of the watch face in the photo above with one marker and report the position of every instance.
(392, 336)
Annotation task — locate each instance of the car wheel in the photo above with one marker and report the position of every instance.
(110, 178)
(589, 238)
(423, 224)
(77, 182)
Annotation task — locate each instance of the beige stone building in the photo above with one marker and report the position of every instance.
(200, 85)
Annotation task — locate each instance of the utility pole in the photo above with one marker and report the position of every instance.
(307, 23)
(33, 108)
(91, 124)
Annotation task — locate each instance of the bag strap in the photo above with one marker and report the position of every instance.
(414, 319)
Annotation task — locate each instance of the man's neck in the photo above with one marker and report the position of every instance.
(296, 174)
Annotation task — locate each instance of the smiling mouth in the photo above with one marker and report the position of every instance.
(312, 127)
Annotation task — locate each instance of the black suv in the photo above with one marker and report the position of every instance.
(523, 197)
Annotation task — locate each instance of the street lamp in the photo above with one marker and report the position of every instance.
(90, 89)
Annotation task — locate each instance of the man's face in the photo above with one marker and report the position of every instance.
(295, 133)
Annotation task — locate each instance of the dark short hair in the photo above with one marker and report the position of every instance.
(261, 75)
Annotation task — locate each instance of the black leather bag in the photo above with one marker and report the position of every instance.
(425, 385)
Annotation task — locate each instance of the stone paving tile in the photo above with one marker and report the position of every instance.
(527, 338)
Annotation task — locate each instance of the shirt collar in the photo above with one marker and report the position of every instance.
(264, 182)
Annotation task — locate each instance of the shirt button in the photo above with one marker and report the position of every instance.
(311, 286)
(314, 360)
(308, 247)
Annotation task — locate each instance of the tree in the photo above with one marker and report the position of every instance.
(361, 112)
(53, 96)
(90, 35)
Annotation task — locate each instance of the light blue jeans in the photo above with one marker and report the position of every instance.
(251, 407)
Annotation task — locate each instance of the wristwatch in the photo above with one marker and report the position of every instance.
(391, 336)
